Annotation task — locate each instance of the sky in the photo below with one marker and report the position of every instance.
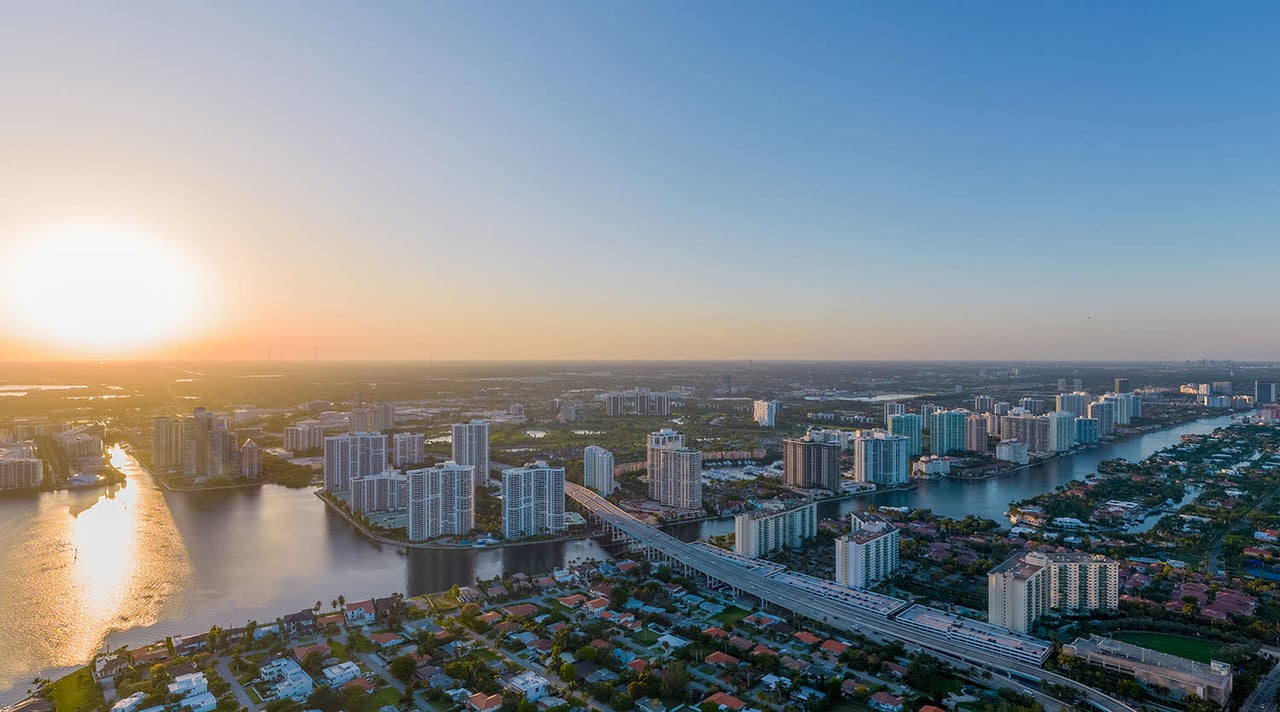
(624, 180)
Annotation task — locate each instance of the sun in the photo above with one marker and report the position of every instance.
(100, 289)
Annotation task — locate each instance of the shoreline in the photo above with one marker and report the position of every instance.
(364, 531)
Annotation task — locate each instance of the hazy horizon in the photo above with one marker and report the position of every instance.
(586, 181)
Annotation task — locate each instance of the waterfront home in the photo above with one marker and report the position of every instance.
(300, 623)
(361, 613)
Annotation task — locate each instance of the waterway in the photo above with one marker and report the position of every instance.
(88, 570)
(990, 498)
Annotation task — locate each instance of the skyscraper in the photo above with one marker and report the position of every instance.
(762, 532)
(471, 447)
(1104, 412)
(811, 464)
(880, 457)
(1122, 385)
(597, 469)
(1086, 430)
(532, 501)
(948, 431)
(441, 501)
(765, 412)
(387, 491)
(1061, 430)
(909, 426)
(304, 435)
(892, 409)
(250, 460)
(409, 449)
(1264, 392)
(975, 436)
(1029, 584)
(665, 438)
(983, 404)
(678, 478)
(1075, 403)
(352, 455)
(1035, 406)
(869, 553)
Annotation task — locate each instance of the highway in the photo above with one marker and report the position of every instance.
(815, 606)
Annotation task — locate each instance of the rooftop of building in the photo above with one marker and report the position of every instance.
(1153, 661)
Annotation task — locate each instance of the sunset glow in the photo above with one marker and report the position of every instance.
(94, 288)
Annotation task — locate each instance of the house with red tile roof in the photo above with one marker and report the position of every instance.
(480, 702)
(490, 618)
(639, 664)
(807, 638)
(301, 651)
(741, 643)
(715, 632)
(721, 658)
(834, 647)
(885, 702)
(724, 701)
(763, 649)
(361, 613)
(572, 601)
(523, 610)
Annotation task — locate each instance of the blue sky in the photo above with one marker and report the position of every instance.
(712, 179)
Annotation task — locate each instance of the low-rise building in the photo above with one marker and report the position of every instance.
(340, 674)
(530, 684)
(1180, 676)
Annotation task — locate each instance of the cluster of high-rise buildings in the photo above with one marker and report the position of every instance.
(637, 401)
(441, 500)
(202, 447)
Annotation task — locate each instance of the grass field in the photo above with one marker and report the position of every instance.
(729, 617)
(646, 637)
(1189, 648)
(386, 696)
(74, 692)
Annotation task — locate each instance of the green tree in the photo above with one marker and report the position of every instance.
(403, 668)
(568, 672)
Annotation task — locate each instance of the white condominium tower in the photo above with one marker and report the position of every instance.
(409, 449)
(441, 501)
(765, 412)
(352, 455)
(304, 435)
(765, 531)
(597, 469)
(869, 553)
(881, 457)
(532, 501)
(471, 447)
(1029, 584)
